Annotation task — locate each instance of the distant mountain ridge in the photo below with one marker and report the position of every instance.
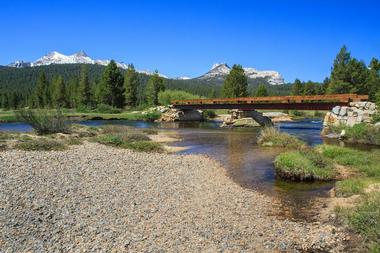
(217, 73)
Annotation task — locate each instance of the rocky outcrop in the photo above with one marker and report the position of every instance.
(172, 115)
(357, 112)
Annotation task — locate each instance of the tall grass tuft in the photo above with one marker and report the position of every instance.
(305, 165)
(45, 121)
(270, 136)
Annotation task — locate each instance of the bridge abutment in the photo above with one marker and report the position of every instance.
(244, 118)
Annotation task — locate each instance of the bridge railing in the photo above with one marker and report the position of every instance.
(339, 98)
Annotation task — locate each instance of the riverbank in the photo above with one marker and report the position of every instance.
(10, 116)
(94, 197)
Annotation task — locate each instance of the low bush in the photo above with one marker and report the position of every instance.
(109, 139)
(40, 144)
(151, 116)
(166, 97)
(365, 220)
(270, 136)
(135, 141)
(304, 165)
(45, 121)
(209, 114)
(359, 133)
(104, 108)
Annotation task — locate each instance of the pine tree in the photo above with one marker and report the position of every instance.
(72, 92)
(297, 88)
(154, 86)
(111, 89)
(309, 89)
(236, 83)
(261, 91)
(41, 92)
(84, 88)
(58, 92)
(340, 76)
(373, 79)
(131, 83)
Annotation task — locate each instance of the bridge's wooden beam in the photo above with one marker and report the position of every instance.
(276, 99)
(263, 106)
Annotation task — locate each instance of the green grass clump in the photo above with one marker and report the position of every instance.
(41, 144)
(144, 146)
(270, 136)
(367, 163)
(115, 129)
(110, 139)
(6, 136)
(365, 220)
(351, 186)
(135, 141)
(74, 141)
(304, 165)
(359, 133)
(45, 121)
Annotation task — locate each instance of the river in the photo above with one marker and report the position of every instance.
(246, 163)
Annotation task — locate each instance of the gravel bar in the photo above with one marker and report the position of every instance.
(95, 198)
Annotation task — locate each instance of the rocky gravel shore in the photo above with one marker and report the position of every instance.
(94, 198)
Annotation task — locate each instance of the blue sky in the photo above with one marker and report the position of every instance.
(184, 38)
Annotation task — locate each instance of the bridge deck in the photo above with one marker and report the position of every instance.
(315, 102)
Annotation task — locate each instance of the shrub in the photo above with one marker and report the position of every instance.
(41, 144)
(270, 136)
(109, 139)
(304, 166)
(365, 219)
(166, 97)
(210, 114)
(151, 116)
(104, 108)
(296, 113)
(45, 121)
(318, 114)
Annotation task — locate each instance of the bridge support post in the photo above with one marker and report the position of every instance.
(257, 116)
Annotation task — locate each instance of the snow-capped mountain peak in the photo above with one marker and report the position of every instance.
(80, 57)
(220, 70)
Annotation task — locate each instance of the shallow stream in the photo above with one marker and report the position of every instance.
(246, 163)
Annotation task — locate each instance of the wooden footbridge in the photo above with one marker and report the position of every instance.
(315, 102)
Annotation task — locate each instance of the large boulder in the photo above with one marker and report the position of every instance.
(357, 112)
